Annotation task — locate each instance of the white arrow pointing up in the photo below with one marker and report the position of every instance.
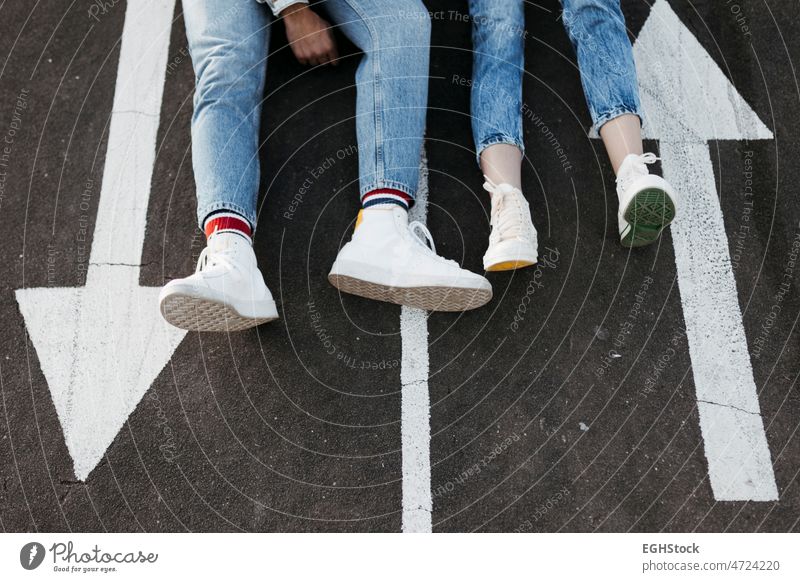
(102, 345)
(688, 101)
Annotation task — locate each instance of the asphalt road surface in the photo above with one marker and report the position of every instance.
(605, 390)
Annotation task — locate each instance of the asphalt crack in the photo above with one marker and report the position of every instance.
(730, 406)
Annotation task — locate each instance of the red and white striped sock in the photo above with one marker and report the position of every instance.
(386, 196)
(225, 221)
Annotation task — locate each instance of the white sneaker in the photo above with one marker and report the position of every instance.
(226, 293)
(647, 203)
(388, 261)
(513, 240)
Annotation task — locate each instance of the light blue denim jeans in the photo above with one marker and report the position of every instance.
(597, 31)
(228, 44)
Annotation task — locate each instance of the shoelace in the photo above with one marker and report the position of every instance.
(507, 219)
(636, 169)
(426, 241)
(213, 258)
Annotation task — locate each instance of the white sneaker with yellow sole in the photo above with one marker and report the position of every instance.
(513, 240)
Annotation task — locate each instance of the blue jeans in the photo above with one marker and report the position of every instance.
(597, 31)
(228, 43)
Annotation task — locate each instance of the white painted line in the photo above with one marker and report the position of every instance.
(688, 101)
(415, 415)
(102, 345)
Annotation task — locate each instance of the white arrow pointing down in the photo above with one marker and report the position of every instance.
(688, 101)
(101, 346)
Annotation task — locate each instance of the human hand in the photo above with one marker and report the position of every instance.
(310, 36)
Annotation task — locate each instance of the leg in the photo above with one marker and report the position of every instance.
(498, 63)
(228, 42)
(622, 137)
(392, 82)
(386, 259)
(647, 203)
(498, 34)
(228, 45)
(501, 163)
(608, 73)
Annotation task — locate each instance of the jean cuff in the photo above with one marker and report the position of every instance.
(604, 118)
(379, 184)
(495, 139)
(203, 212)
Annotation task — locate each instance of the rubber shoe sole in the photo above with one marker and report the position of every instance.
(199, 314)
(648, 214)
(427, 298)
(509, 255)
(509, 265)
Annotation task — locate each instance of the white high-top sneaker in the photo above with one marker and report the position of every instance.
(226, 293)
(388, 261)
(647, 203)
(513, 240)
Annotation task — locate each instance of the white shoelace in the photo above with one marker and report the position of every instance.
(209, 258)
(427, 241)
(635, 169)
(508, 218)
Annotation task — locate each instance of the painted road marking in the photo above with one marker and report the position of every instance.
(101, 346)
(415, 415)
(688, 101)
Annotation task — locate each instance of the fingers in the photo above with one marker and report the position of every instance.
(329, 58)
(333, 53)
(319, 51)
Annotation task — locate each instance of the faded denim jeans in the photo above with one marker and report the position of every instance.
(597, 31)
(228, 43)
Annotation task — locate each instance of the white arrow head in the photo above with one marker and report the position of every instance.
(100, 348)
(685, 96)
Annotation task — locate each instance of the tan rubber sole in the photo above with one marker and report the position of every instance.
(427, 298)
(195, 314)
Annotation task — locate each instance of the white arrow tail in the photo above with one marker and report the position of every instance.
(739, 463)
